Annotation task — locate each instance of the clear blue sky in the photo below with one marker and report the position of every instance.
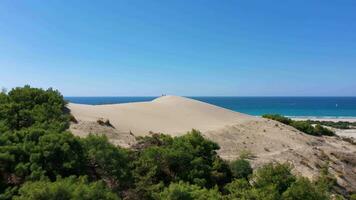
(200, 47)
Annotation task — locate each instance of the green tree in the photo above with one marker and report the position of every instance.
(241, 189)
(185, 191)
(241, 168)
(275, 174)
(32, 153)
(190, 158)
(303, 189)
(23, 107)
(238, 189)
(107, 161)
(64, 189)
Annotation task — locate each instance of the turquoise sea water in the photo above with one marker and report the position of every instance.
(288, 106)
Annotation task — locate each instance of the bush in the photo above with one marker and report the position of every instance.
(304, 126)
(238, 189)
(26, 106)
(189, 158)
(303, 189)
(104, 122)
(279, 118)
(107, 161)
(241, 189)
(278, 175)
(69, 188)
(320, 130)
(353, 197)
(185, 191)
(241, 168)
(338, 125)
(33, 153)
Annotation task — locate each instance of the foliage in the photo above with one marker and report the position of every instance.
(107, 161)
(325, 181)
(241, 189)
(280, 118)
(304, 126)
(238, 189)
(338, 124)
(303, 189)
(246, 154)
(353, 197)
(189, 158)
(68, 188)
(185, 191)
(276, 174)
(32, 153)
(241, 168)
(26, 106)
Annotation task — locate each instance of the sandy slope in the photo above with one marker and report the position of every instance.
(267, 140)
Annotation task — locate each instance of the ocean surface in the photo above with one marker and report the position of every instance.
(328, 107)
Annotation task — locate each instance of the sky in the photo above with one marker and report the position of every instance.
(183, 47)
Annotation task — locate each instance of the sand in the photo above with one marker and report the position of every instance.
(168, 114)
(265, 139)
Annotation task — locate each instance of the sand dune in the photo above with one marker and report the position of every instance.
(167, 114)
(235, 132)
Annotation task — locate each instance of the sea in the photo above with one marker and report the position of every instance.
(318, 107)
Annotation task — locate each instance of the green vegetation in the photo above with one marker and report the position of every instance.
(241, 168)
(68, 188)
(181, 190)
(305, 126)
(338, 125)
(31, 107)
(39, 159)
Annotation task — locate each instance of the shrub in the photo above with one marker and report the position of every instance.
(107, 161)
(303, 189)
(185, 191)
(279, 118)
(320, 130)
(189, 158)
(246, 154)
(104, 122)
(278, 175)
(353, 197)
(339, 124)
(69, 188)
(33, 153)
(241, 189)
(241, 168)
(238, 189)
(26, 106)
(304, 126)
